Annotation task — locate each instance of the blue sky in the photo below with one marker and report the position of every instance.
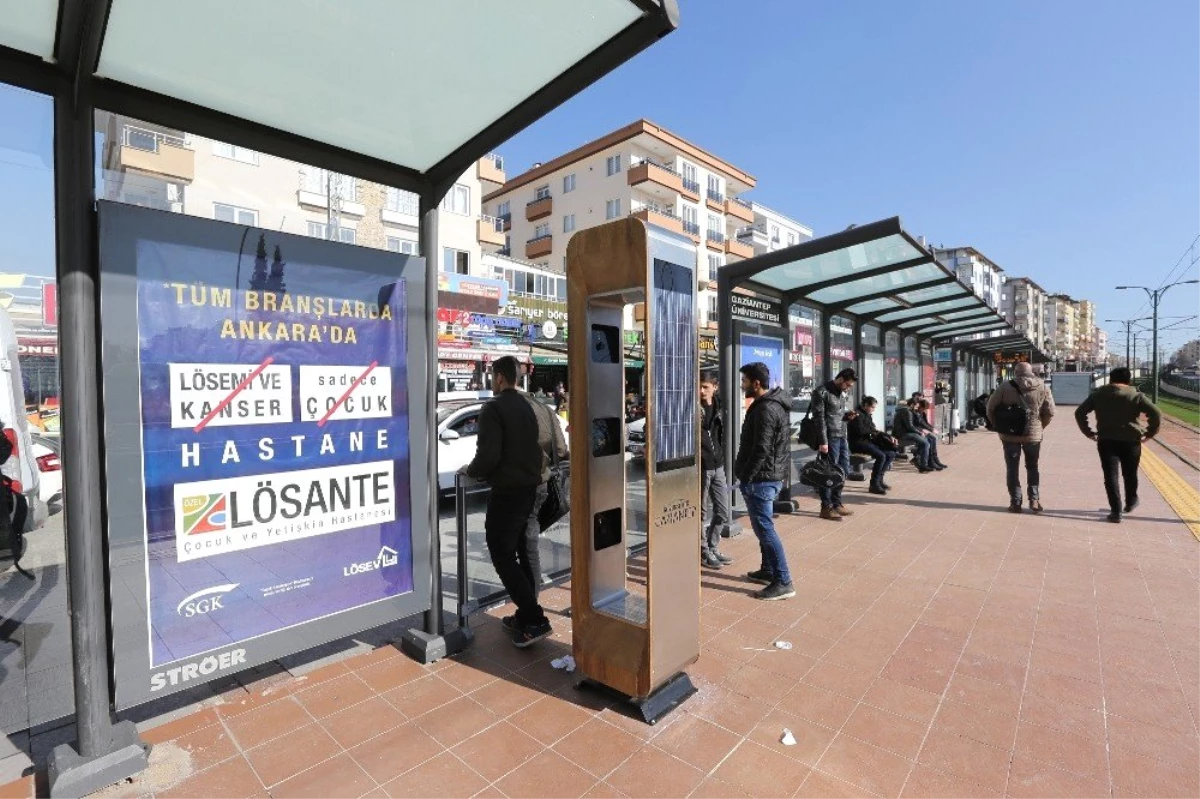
(1062, 139)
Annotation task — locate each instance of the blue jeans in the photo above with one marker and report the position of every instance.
(760, 504)
(839, 454)
(920, 445)
(883, 459)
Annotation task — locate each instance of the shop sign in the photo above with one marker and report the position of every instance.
(943, 354)
(266, 503)
(759, 310)
(485, 287)
(841, 353)
(534, 309)
(37, 347)
(708, 344)
(50, 304)
(456, 375)
(1015, 357)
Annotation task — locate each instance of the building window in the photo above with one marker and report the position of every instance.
(456, 261)
(231, 213)
(569, 183)
(612, 209)
(542, 231)
(712, 307)
(568, 223)
(235, 153)
(402, 202)
(504, 209)
(320, 230)
(715, 262)
(690, 178)
(322, 182)
(542, 193)
(714, 189)
(791, 238)
(612, 164)
(562, 283)
(406, 246)
(691, 217)
(458, 201)
(715, 225)
(775, 234)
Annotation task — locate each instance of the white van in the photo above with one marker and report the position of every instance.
(21, 468)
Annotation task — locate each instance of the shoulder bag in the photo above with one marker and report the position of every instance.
(558, 492)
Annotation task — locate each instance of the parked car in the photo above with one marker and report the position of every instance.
(45, 455)
(21, 468)
(458, 425)
(635, 439)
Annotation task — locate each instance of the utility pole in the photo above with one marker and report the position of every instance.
(1128, 323)
(1156, 296)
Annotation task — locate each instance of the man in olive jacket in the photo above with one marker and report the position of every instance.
(1029, 391)
(1119, 434)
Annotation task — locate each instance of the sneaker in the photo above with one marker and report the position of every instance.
(1016, 507)
(761, 576)
(830, 515)
(1114, 517)
(925, 470)
(531, 634)
(842, 510)
(776, 591)
(886, 487)
(938, 467)
(510, 623)
(710, 561)
(877, 489)
(1131, 505)
(725, 559)
(1035, 505)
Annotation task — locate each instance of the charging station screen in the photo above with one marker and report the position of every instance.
(675, 360)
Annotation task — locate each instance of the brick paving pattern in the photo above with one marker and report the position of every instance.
(941, 647)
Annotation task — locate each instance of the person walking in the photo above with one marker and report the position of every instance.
(865, 438)
(1020, 410)
(714, 496)
(763, 459)
(518, 440)
(830, 416)
(1119, 434)
(904, 430)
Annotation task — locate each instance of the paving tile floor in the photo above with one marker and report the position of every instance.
(941, 646)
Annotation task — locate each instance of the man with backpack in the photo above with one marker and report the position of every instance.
(1019, 410)
(1119, 434)
(830, 415)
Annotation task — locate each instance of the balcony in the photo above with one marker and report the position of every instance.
(738, 248)
(490, 230)
(656, 216)
(715, 240)
(539, 208)
(690, 189)
(506, 220)
(539, 247)
(655, 174)
(156, 153)
(739, 209)
(715, 200)
(491, 169)
(692, 229)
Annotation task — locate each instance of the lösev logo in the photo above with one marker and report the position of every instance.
(386, 557)
(205, 601)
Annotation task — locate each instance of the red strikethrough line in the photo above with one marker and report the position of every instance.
(346, 396)
(249, 379)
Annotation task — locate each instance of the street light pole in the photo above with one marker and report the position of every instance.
(1128, 323)
(1155, 296)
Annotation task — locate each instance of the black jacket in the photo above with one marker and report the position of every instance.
(516, 433)
(921, 421)
(712, 437)
(829, 412)
(861, 428)
(903, 423)
(764, 454)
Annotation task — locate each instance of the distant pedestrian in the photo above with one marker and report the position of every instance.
(830, 407)
(1119, 434)
(714, 491)
(518, 439)
(763, 459)
(1019, 411)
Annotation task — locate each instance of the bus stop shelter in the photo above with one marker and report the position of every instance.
(980, 359)
(871, 297)
(394, 93)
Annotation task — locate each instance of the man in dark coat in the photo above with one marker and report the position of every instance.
(865, 438)
(714, 490)
(830, 415)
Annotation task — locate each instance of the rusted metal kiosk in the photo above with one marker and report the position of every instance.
(635, 643)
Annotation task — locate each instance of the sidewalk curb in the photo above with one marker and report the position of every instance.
(1178, 454)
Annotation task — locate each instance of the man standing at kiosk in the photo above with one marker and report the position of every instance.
(517, 439)
(763, 459)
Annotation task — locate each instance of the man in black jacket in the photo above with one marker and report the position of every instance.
(921, 422)
(517, 439)
(904, 430)
(763, 459)
(830, 416)
(866, 439)
(714, 496)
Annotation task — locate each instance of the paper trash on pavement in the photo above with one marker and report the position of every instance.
(564, 663)
(783, 644)
(788, 739)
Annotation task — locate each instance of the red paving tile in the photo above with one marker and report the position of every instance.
(940, 647)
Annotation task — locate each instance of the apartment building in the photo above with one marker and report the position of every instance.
(975, 270)
(772, 230)
(1062, 319)
(1100, 347)
(171, 170)
(1023, 303)
(640, 170)
(1085, 338)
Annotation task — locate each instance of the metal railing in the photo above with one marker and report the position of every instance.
(691, 227)
(743, 203)
(537, 200)
(691, 185)
(716, 196)
(542, 237)
(496, 159)
(505, 218)
(496, 222)
(149, 140)
(748, 231)
(716, 236)
(654, 209)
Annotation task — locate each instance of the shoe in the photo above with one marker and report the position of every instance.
(725, 559)
(1016, 507)
(829, 514)
(877, 489)
(842, 510)
(531, 634)
(761, 576)
(938, 467)
(885, 486)
(510, 623)
(1114, 517)
(776, 591)
(1131, 506)
(1035, 505)
(925, 470)
(710, 561)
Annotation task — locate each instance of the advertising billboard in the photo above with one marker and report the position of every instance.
(263, 466)
(765, 349)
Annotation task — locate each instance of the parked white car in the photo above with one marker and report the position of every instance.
(458, 425)
(21, 467)
(45, 455)
(635, 439)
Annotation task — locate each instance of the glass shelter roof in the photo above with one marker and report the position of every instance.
(876, 272)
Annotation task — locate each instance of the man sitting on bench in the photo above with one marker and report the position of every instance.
(865, 438)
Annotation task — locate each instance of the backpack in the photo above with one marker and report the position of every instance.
(1013, 420)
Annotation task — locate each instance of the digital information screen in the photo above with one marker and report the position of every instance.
(675, 362)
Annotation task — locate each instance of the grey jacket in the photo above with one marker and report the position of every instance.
(829, 408)
(1038, 403)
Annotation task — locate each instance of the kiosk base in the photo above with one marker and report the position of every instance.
(71, 774)
(658, 704)
(426, 648)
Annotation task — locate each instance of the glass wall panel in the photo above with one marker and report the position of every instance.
(891, 375)
(872, 384)
(912, 369)
(36, 683)
(842, 352)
